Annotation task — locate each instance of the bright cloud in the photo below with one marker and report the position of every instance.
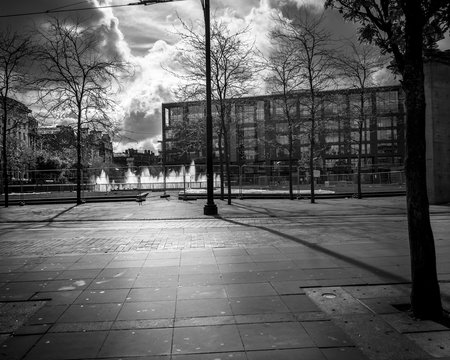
(149, 42)
(145, 37)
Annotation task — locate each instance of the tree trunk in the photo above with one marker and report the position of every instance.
(361, 127)
(425, 294)
(222, 187)
(312, 146)
(79, 159)
(291, 147)
(227, 164)
(4, 152)
(358, 170)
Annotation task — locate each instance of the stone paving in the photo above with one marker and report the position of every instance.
(264, 280)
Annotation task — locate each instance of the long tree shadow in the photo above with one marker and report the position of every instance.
(294, 213)
(354, 262)
(30, 224)
(391, 277)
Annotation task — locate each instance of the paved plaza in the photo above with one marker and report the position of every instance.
(266, 279)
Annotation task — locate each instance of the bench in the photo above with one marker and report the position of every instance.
(141, 197)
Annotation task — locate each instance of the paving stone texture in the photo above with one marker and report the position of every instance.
(266, 279)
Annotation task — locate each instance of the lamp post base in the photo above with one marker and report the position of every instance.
(210, 209)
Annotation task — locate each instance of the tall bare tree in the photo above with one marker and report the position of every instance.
(285, 79)
(357, 64)
(15, 54)
(232, 75)
(404, 28)
(312, 45)
(78, 79)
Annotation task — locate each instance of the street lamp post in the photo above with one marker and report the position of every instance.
(163, 162)
(210, 207)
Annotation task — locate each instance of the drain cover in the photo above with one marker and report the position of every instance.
(329, 295)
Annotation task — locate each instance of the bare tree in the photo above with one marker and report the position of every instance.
(285, 79)
(77, 79)
(357, 64)
(189, 132)
(232, 76)
(15, 55)
(404, 28)
(312, 45)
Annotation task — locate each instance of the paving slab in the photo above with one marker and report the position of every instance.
(201, 339)
(166, 282)
(436, 343)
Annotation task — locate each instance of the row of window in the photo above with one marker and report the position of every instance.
(283, 127)
(380, 161)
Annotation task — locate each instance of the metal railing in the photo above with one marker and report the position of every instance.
(179, 177)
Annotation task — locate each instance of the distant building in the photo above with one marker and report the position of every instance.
(100, 146)
(96, 146)
(258, 131)
(133, 158)
(20, 124)
(55, 138)
(21, 131)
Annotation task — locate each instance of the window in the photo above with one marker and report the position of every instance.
(334, 150)
(249, 142)
(196, 112)
(330, 163)
(282, 128)
(334, 105)
(245, 114)
(387, 148)
(304, 110)
(277, 107)
(250, 154)
(365, 149)
(249, 133)
(384, 134)
(176, 115)
(332, 125)
(282, 139)
(355, 104)
(355, 135)
(332, 138)
(260, 110)
(248, 114)
(387, 101)
(383, 122)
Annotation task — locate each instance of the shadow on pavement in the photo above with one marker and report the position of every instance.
(318, 248)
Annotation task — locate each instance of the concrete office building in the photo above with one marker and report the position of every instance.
(259, 131)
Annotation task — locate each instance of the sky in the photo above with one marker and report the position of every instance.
(146, 37)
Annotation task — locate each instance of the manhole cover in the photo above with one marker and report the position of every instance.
(329, 295)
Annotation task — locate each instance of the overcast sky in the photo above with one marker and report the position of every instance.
(145, 36)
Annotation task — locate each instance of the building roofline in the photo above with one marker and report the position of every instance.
(21, 106)
(299, 92)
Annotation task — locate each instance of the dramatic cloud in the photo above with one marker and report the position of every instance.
(145, 37)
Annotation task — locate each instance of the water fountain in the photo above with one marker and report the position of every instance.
(102, 182)
(144, 180)
(131, 180)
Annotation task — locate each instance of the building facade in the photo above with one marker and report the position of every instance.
(133, 158)
(259, 130)
(21, 133)
(437, 127)
(96, 146)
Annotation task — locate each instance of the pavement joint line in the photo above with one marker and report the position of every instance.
(217, 217)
